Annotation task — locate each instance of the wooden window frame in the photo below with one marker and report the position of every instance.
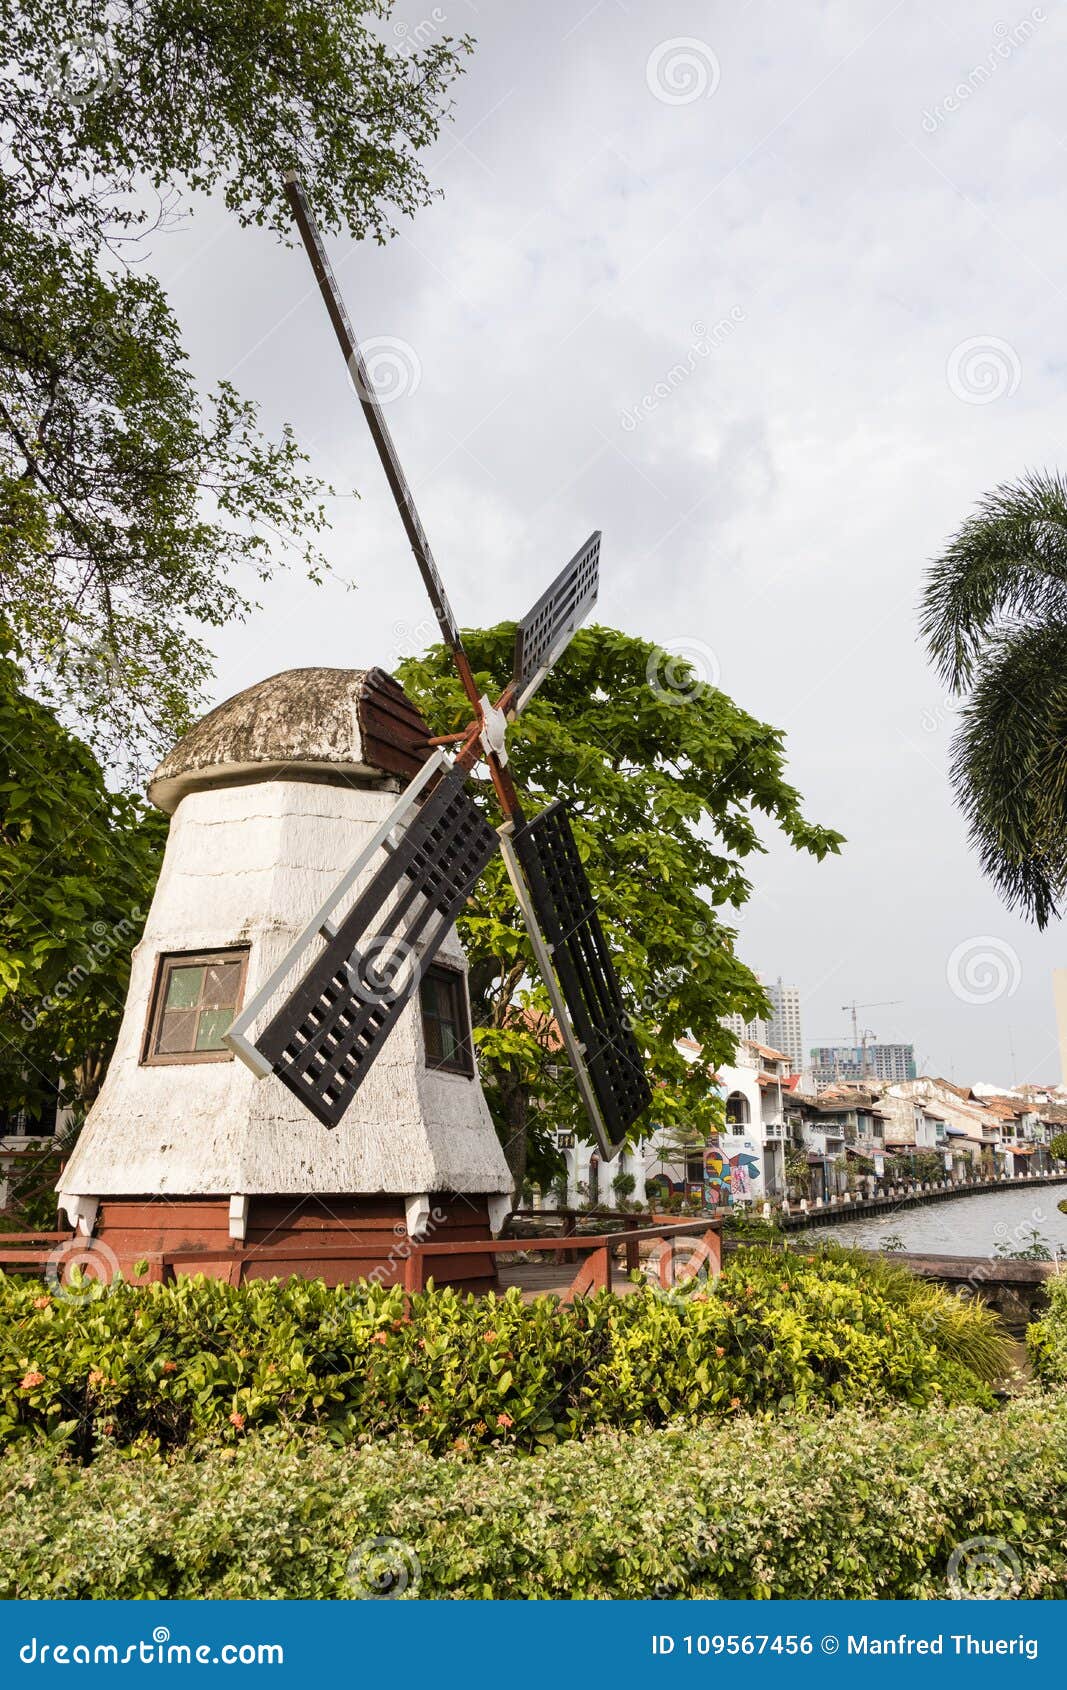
(166, 961)
(457, 982)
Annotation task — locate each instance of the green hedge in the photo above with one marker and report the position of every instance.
(1047, 1338)
(852, 1505)
(199, 1359)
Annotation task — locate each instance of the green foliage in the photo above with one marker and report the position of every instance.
(995, 620)
(1035, 1248)
(1046, 1339)
(133, 511)
(872, 1506)
(665, 789)
(1058, 1147)
(77, 868)
(163, 1366)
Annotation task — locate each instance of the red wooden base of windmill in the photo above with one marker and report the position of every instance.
(336, 1239)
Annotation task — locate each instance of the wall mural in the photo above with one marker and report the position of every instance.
(733, 1172)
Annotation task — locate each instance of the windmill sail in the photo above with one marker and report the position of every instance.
(323, 1040)
(559, 908)
(544, 632)
(383, 440)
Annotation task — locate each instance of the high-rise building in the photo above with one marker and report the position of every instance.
(846, 1062)
(742, 1029)
(783, 1028)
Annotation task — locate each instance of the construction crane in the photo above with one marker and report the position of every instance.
(853, 1007)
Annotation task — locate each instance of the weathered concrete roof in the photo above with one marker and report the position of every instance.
(304, 724)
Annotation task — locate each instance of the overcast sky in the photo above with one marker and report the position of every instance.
(842, 227)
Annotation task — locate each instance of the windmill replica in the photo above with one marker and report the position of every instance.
(354, 1115)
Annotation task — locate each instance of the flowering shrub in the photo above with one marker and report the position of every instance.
(175, 1364)
(872, 1505)
(1046, 1339)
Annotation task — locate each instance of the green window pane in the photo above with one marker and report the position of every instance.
(213, 1023)
(177, 1030)
(183, 987)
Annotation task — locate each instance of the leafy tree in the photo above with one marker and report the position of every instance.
(995, 619)
(77, 867)
(664, 788)
(1058, 1147)
(132, 509)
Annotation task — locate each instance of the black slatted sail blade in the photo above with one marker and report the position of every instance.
(365, 393)
(326, 1036)
(544, 632)
(563, 902)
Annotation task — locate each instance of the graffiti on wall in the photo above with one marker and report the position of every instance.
(733, 1172)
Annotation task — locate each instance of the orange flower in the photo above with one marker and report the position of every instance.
(237, 1420)
(379, 1338)
(108, 1428)
(42, 1302)
(489, 1337)
(461, 1443)
(480, 1427)
(170, 1367)
(719, 1351)
(504, 1420)
(735, 1402)
(29, 1380)
(96, 1377)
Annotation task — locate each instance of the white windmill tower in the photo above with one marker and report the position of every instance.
(183, 1149)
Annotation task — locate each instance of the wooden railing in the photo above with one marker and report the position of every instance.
(413, 1259)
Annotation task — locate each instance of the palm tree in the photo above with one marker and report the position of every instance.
(994, 617)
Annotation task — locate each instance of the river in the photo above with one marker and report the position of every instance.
(961, 1226)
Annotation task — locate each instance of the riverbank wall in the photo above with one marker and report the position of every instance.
(912, 1195)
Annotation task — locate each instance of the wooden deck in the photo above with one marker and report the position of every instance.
(543, 1279)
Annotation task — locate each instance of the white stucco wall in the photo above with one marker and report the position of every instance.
(250, 865)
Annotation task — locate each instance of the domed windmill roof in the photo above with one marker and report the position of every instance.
(304, 724)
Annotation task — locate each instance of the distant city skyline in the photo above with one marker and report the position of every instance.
(855, 1062)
